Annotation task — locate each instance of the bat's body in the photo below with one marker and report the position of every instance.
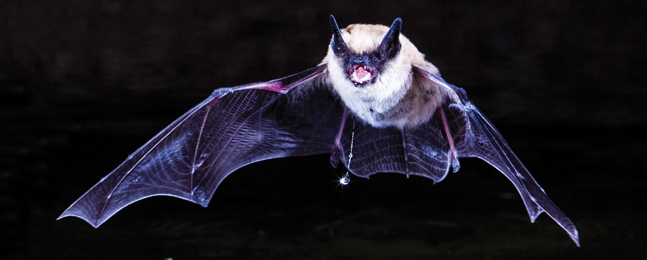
(409, 120)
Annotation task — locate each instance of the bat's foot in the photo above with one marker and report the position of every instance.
(455, 164)
(336, 149)
(335, 156)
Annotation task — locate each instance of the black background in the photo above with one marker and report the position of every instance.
(85, 83)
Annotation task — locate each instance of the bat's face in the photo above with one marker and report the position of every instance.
(365, 50)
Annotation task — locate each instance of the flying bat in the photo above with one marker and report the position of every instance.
(374, 103)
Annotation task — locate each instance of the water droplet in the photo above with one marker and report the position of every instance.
(344, 180)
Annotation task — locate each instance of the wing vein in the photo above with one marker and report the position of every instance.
(147, 153)
(197, 146)
(257, 111)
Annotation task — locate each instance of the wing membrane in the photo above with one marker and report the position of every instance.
(492, 148)
(424, 151)
(232, 128)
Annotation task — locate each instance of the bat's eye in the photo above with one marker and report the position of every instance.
(375, 59)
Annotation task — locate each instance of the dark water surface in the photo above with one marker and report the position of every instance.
(85, 83)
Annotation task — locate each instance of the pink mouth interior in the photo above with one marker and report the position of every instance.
(361, 74)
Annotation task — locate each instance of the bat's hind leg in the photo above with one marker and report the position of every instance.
(336, 152)
(452, 155)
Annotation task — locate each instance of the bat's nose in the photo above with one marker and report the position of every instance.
(359, 60)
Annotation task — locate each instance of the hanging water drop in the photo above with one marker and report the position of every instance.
(344, 180)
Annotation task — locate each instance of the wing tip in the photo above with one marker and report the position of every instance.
(575, 236)
(572, 232)
(569, 227)
(94, 224)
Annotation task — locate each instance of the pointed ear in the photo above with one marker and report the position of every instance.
(390, 45)
(338, 45)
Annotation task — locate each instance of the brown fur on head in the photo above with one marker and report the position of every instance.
(367, 37)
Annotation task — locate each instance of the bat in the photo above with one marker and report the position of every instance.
(405, 119)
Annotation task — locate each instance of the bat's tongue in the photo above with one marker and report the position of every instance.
(360, 75)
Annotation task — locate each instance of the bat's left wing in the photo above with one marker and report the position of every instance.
(428, 150)
(234, 127)
(475, 136)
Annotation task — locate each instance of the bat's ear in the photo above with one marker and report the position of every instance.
(338, 45)
(390, 45)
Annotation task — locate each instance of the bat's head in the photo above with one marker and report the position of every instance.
(363, 51)
(371, 67)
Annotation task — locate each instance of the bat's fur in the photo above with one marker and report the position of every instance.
(399, 96)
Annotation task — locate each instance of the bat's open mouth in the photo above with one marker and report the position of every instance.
(361, 74)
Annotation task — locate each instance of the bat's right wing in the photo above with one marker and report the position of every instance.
(232, 128)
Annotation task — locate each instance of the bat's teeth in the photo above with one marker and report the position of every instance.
(361, 75)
